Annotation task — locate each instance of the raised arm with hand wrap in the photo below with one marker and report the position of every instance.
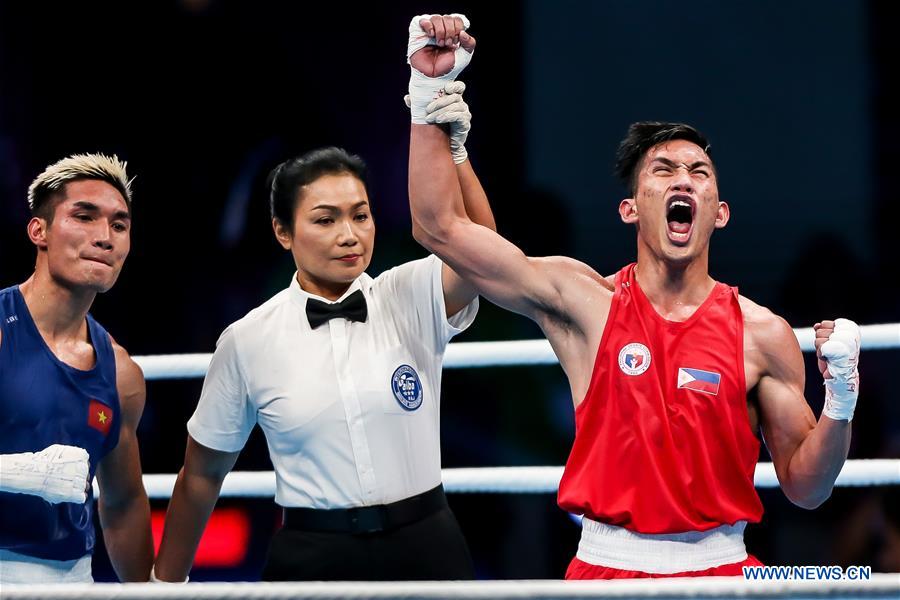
(445, 222)
(441, 221)
(438, 51)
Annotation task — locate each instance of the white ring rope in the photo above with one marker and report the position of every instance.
(519, 480)
(490, 354)
(522, 480)
(881, 585)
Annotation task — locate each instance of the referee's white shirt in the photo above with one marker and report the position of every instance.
(331, 400)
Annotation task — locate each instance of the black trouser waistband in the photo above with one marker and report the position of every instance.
(367, 519)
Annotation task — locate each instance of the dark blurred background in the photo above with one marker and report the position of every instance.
(203, 97)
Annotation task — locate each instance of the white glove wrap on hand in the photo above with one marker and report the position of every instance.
(423, 89)
(841, 352)
(57, 474)
(451, 109)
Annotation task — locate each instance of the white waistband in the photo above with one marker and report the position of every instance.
(19, 568)
(616, 547)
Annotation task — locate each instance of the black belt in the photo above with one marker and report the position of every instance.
(367, 519)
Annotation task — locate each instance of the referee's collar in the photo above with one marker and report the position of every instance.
(302, 295)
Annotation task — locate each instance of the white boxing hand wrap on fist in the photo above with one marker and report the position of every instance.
(424, 89)
(451, 109)
(57, 474)
(841, 352)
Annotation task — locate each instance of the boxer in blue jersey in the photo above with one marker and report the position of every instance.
(70, 396)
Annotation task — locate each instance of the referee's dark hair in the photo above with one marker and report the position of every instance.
(643, 136)
(286, 180)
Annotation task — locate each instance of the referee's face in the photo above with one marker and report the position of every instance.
(333, 234)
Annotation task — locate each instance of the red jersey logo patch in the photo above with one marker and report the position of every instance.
(634, 358)
(100, 416)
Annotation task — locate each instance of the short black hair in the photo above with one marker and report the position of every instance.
(286, 179)
(643, 136)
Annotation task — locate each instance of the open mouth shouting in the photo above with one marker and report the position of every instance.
(680, 211)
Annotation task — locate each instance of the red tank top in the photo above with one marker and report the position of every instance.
(662, 438)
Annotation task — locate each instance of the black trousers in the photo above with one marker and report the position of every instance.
(429, 549)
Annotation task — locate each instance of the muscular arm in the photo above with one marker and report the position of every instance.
(494, 266)
(123, 505)
(567, 299)
(196, 491)
(458, 292)
(475, 199)
(490, 264)
(808, 455)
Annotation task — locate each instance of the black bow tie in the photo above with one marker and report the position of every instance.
(352, 308)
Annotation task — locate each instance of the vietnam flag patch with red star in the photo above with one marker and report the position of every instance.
(100, 416)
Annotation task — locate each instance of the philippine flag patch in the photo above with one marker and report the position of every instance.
(701, 381)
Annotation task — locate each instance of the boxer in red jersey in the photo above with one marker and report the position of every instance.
(660, 357)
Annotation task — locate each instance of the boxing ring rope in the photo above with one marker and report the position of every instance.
(490, 354)
(879, 586)
(519, 480)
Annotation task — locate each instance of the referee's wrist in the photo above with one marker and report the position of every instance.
(155, 579)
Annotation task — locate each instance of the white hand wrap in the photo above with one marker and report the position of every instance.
(451, 109)
(423, 89)
(841, 352)
(57, 474)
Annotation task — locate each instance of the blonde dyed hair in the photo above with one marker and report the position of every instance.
(53, 180)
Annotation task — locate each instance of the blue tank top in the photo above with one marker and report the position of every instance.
(44, 401)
